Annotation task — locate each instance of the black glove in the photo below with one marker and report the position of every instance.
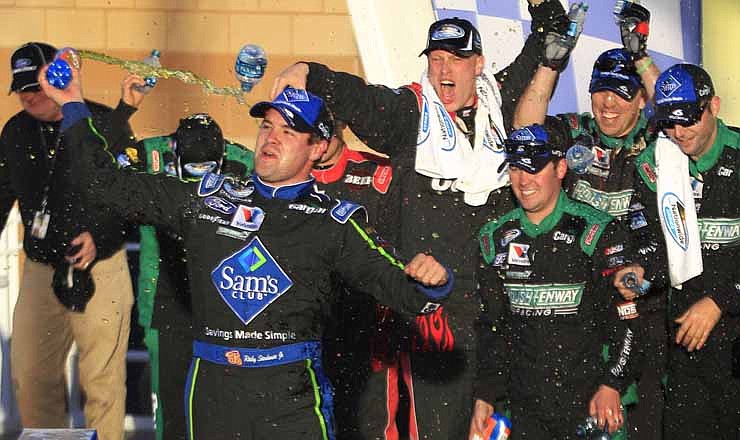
(634, 26)
(560, 41)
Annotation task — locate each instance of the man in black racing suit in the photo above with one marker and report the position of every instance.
(546, 280)
(703, 392)
(259, 294)
(438, 362)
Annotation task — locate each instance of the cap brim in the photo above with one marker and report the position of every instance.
(532, 166)
(293, 119)
(23, 80)
(626, 89)
(448, 48)
(679, 113)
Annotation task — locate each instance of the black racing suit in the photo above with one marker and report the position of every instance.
(703, 399)
(440, 355)
(356, 342)
(163, 299)
(550, 309)
(610, 184)
(259, 293)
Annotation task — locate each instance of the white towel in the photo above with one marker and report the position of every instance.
(444, 152)
(677, 212)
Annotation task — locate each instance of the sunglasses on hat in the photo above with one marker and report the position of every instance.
(689, 118)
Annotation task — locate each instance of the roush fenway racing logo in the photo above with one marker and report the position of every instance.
(433, 332)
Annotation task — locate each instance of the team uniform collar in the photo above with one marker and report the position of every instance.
(335, 171)
(626, 141)
(285, 192)
(548, 222)
(725, 136)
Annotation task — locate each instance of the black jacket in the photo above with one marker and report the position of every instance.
(34, 154)
(718, 212)
(260, 258)
(551, 306)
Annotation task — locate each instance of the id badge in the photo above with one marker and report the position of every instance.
(40, 224)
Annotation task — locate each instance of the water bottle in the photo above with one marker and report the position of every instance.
(590, 430)
(576, 18)
(250, 66)
(580, 156)
(630, 281)
(149, 81)
(59, 73)
(498, 428)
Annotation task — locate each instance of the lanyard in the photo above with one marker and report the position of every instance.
(51, 156)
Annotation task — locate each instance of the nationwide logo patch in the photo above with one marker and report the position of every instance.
(250, 280)
(674, 216)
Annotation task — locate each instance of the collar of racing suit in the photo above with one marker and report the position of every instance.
(285, 192)
(725, 136)
(627, 141)
(548, 222)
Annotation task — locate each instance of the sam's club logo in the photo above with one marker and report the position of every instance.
(250, 280)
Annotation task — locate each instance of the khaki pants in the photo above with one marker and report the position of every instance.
(43, 332)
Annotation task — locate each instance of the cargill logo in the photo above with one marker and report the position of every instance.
(250, 280)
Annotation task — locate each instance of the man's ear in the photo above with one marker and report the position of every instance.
(714, 105)
(318, 149)
(480, 62)
(561, 168)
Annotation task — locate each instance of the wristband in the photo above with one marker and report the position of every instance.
(642, 69)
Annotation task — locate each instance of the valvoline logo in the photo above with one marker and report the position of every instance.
(250, 280)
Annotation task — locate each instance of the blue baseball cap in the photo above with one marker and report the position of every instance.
(614, 70)
(532, 147)
(681, 95)
(302, 110)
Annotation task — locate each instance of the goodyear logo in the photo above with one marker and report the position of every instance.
(250, 280)
(719, 230)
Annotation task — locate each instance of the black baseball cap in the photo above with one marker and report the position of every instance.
(532, 147)
(614, 70)
(455, 35)
(26, 62)
(198, 139)
(302, 110)
(681, 95)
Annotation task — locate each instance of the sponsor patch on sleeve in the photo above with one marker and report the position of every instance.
(591, 234)
(344, 210)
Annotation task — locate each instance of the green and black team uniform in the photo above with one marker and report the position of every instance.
(610, 184)
(550, 309)
(163, 298)
(260, 265)
(703, 396)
